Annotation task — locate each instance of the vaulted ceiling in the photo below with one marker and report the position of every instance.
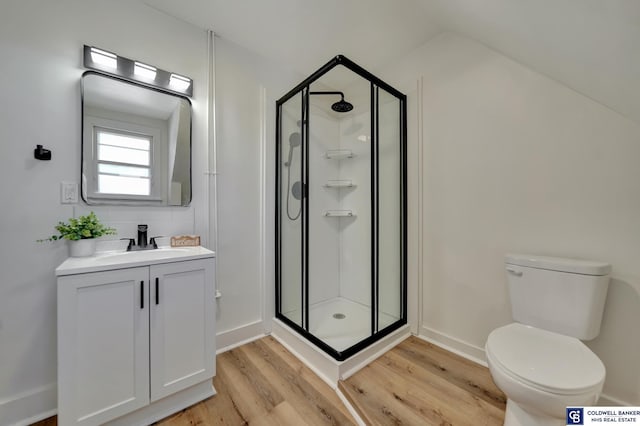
(592, 46)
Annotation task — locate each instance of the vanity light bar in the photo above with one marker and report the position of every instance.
(119, 66)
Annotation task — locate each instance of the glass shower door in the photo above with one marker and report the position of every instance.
(389, 119)
(339, 215)
(289, 185)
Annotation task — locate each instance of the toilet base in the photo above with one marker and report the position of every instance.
(515, 415)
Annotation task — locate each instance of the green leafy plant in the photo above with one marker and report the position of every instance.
(81, 228)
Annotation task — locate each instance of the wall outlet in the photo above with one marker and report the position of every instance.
(68, 192)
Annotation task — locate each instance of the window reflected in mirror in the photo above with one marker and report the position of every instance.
(124, 163)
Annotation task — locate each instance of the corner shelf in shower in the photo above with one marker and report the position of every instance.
(338, 154)
(346, 183)
(339, 213)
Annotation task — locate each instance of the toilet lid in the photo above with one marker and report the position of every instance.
(546, 360)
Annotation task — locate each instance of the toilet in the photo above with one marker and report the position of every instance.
(539, 361)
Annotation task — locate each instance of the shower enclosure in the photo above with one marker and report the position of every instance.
(341, 208)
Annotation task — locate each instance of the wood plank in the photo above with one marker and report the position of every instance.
(293, 361)
(305, 373)
(418, 383)
(249, 390)
(468, 408)
(222, 409)
(466, 374)
(282, 414)
(194, 415)
(370, 410)
(389, 400)
(316, 407)
(219, 410)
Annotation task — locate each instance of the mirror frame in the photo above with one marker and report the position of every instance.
(115, 201)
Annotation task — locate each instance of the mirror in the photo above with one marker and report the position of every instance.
(136, 144)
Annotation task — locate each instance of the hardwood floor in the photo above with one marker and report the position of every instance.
(416, 383)
(261, 383)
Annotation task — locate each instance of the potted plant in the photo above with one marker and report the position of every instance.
(81, 234)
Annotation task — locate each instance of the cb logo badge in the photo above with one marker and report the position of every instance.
(575, 416)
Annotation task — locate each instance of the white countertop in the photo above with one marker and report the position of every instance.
(107, 261)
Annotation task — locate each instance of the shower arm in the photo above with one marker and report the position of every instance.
(341, 105)
(328, 93)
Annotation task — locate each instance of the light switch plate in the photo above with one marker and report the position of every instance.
(68, 192)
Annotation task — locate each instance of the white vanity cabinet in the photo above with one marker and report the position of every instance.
(136, 342)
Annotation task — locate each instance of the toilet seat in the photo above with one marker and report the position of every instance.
(544, 360)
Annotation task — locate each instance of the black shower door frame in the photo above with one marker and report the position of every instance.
(304, 89)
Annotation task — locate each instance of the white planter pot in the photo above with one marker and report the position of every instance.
(82, 248)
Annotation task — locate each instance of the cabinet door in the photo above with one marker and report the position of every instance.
(103, 345)
(182, 325)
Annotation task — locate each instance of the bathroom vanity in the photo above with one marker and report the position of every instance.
(136, 335)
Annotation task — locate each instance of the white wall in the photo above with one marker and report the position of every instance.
(41, 49)
(324, 232)
(355, 233)
(247, 87)
(516, 162)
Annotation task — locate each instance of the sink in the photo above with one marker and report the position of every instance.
(143, 255)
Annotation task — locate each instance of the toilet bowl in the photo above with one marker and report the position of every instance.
(542, 373)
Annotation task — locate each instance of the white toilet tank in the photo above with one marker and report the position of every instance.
(565, 296)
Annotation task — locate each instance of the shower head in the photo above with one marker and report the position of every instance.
(294, 140)
(341, 105)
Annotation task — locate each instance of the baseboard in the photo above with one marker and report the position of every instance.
(610, 401)
(453, 344)
(228, 340)
(29, 407)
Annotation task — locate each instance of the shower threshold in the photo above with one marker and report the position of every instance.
(325, 366)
